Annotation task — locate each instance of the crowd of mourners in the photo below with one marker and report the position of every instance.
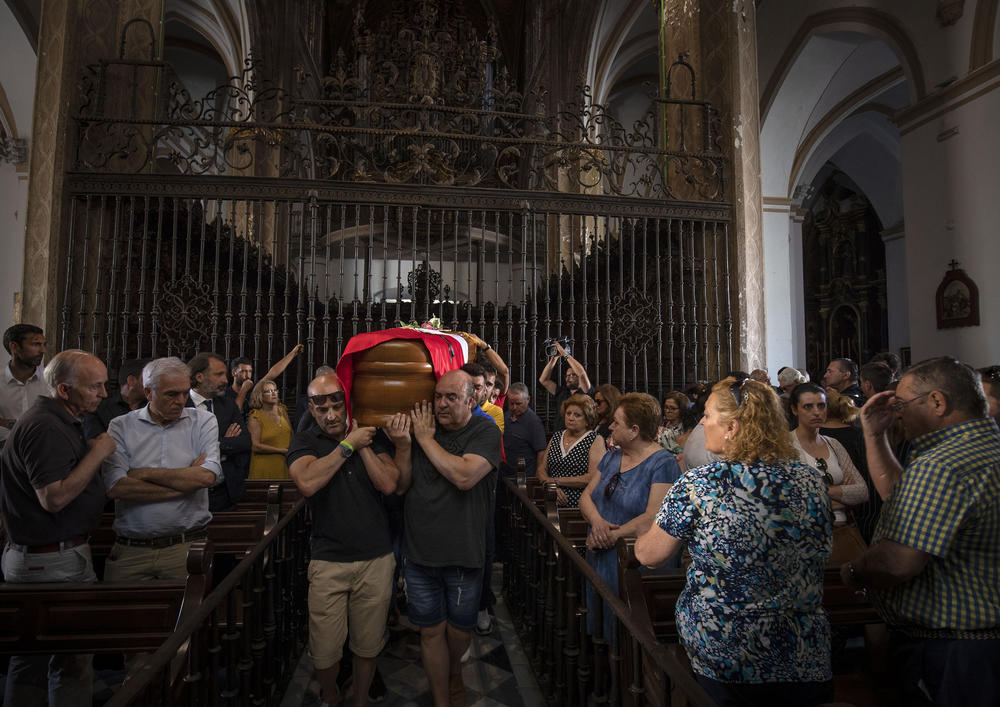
(891, 476)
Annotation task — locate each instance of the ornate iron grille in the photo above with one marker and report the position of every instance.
(255, 217)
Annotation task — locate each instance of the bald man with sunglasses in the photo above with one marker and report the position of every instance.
(342, 470)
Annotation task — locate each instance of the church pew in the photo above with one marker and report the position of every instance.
(258, 493)
(107, 618)
(652, 597)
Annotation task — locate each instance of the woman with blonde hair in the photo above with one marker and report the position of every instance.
(758, 528)
(270, 432)
(573, 452)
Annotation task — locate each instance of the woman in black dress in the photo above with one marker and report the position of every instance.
(573, 453)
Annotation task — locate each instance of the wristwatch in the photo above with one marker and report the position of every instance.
(346, 449)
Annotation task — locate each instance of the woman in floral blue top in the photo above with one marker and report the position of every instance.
(758, 528)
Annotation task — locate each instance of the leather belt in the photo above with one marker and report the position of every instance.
(166, 540)
(51, 547)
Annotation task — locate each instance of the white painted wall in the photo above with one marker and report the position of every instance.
(17, 77)
(896, 290)
(952, 211)
(784, 331)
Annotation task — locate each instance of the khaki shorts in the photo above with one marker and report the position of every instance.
(348, 598)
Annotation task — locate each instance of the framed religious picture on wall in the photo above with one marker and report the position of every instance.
(957, 299)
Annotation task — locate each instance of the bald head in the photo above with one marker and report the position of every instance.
(328, 406)
(453, 398)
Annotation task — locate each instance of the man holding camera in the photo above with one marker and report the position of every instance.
(577, 380)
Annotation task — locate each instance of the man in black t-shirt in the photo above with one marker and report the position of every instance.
(51, 496)
(577, 381)
(342, 469)
(448, 478)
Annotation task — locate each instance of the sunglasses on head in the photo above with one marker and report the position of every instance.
(336, 397)
(736, 389)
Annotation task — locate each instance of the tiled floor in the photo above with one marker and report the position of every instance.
(497, 673)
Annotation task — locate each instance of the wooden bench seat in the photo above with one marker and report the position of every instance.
(125, 617)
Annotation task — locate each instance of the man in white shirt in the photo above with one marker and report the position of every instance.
(22, 381)
(166, 458)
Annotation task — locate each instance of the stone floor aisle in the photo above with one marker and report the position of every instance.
(497, 672)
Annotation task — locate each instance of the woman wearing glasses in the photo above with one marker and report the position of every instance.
(572, 452)
(621, 500)
(606, 398)
(270, 432)
(758, 527)
(825, 454)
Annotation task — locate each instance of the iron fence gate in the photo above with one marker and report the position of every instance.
(413, 181)
(643, 299)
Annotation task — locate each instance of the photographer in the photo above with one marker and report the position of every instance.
(576, 378)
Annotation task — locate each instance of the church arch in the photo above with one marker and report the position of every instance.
(985, 34)
(866, 21)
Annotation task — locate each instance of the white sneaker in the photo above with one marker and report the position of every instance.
(484, 622)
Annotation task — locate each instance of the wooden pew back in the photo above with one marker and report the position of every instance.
(121, 617)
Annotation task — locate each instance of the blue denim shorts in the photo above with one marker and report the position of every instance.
(436, 594)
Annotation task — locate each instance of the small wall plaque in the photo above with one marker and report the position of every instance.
(957, 299)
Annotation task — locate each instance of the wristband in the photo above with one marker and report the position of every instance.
(347, 444)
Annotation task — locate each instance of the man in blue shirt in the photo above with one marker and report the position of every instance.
(166, 459)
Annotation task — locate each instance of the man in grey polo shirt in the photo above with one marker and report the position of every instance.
(167, 457)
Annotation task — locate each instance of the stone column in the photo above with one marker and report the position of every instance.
(720, 40)
(71, 36)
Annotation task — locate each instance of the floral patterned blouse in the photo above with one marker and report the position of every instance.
(759, 535)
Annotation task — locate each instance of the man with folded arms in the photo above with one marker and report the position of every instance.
(51, 497)
(167, 458)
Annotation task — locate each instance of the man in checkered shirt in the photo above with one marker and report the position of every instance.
(934, 563)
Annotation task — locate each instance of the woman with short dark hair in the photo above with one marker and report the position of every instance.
(623, 496)
(573, 452)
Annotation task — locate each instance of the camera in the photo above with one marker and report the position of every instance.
(551, 349)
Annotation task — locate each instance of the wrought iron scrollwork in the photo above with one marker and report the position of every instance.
(423, 100)
(183, 312)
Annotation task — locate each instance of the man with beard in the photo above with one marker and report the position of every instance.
(208, 385)
(577, 381)
(23, 379)
(934, 563)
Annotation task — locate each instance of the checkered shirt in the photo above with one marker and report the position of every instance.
(947, 504)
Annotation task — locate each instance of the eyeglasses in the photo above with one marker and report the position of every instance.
(900, 404)
(609, 490)
(737, 390)
(335, 397)
(823, 469)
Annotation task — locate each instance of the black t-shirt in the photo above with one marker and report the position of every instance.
(523, 437)
(96, 423)
(446, 527)
(45, 445)
(349, 520)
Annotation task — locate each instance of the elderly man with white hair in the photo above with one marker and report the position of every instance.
(167, 458)
(51, 497)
